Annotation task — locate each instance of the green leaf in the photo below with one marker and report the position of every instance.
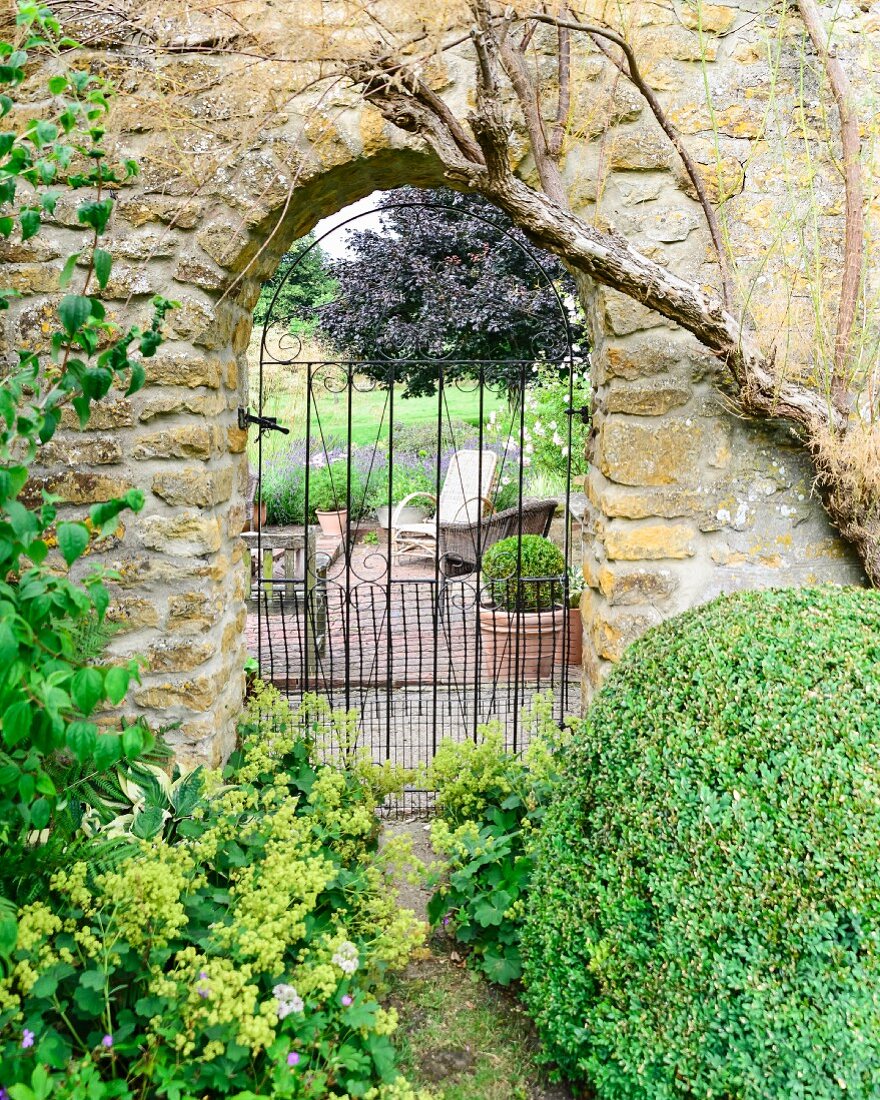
(57, 84)
(116, 684)
(148, 822)
(26, 787)
(68, 270)
(132, 742)
(87, 689)
(17, 722)
(8, 645)
(45, 132)
(108, 750)
(103, 262)
(81, 739)
(8, 934)
(74, 311)
(505, 968)
(41, 811)
(30, 224)
(73, 538)
(95, 214)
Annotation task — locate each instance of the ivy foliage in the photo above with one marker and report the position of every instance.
(50, 692)
(705, 915)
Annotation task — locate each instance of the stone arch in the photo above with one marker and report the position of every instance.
(685, 499)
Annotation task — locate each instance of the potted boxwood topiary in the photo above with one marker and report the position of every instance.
(521, 614)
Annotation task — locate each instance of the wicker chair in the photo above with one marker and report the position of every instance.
(463, 544)
(464, 498)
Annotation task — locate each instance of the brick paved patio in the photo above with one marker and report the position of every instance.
(412, 669)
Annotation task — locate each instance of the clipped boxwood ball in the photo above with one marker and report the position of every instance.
(528, 556)
(705, 916)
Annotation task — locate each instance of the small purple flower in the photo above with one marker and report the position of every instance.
(446, 922)
(27, 1038)
(107, 1042)
(293, 1058)
(346, 1000)
(4, 1095)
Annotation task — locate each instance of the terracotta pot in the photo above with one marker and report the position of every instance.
(333, 523)
(258, 514)
(520, 643)
(575, 642)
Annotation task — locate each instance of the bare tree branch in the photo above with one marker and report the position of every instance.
(855, 217)
(632, 72)
(563, 102)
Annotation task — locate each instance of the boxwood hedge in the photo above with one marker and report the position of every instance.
(705, 915)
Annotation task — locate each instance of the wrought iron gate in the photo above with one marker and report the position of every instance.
(388, 611)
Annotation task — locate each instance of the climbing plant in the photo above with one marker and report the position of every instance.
(49, 692)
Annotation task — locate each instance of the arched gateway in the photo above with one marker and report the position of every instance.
(371, 590)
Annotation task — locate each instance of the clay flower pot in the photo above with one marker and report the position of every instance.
(520, 644)
(575, 641)
(258, 514)
(333, 524)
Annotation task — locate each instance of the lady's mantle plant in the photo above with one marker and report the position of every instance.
(47, 696)
(251, 963)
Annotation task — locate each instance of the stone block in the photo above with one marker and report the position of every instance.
(194, 486)
(179, 654)
(183, 369)
(193, 612)
(75, 487)
(617, 502)
(186, 533)
(665, 453)
(650, 398)
(624, 315)
(712, 18)
(207, 405)
(191, 441)
(650, 541)
(181, 212)
(639, 150)
(133, 612)
(611, 631)
(39, 278)
(201, 273)
(656, 353)
(66, 450)
(107, 415)
(223, 242)
(621, 588)
(197, 693)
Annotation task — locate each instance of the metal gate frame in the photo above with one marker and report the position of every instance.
(310, 591)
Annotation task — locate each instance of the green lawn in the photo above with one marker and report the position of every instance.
(369, 411)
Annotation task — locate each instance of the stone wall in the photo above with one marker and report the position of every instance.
(687, 500)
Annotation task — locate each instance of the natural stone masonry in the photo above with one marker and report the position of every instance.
(686, 500)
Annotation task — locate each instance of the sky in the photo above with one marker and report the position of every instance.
(335, 244)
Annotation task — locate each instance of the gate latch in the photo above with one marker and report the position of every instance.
(264, 423)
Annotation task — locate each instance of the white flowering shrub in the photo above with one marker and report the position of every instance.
(242, 958)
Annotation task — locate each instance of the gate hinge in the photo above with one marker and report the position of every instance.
(583, 412)
(264, 423)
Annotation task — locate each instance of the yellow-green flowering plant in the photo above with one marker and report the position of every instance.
(241, 955)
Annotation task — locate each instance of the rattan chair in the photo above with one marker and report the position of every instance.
(462, 545)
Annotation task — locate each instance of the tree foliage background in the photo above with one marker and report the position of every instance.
(449, 278)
